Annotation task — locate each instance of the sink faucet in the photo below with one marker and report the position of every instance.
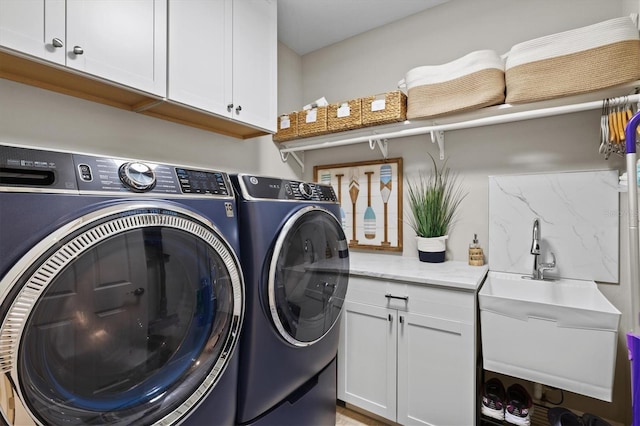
(538, 267)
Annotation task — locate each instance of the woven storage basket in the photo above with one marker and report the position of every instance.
(471, 82)
(385, 108)
(312, 122)
(590, 58)
(287, 127)
(344, 115)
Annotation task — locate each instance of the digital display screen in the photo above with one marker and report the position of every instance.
(199, 182)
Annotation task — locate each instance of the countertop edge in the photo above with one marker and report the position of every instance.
(451, 274)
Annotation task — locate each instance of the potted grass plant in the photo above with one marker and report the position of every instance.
(434, 199)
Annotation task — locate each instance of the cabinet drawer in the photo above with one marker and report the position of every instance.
(374, 292)
(440, 302)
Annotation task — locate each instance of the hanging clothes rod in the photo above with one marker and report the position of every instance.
(479, 122)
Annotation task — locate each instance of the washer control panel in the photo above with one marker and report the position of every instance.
(99, 174)
(281, 189)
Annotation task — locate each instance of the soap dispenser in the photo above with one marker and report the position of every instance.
(476, 256)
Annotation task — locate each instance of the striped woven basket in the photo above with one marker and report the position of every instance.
(468, 83)
(583, 60)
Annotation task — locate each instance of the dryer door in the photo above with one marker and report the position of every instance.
(128, 315)
(308, 276)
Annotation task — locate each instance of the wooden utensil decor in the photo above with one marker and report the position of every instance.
(374, 221)
(385, 192)
(369, 214)
(354, 190)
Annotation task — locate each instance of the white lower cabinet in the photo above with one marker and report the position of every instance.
(408, 352)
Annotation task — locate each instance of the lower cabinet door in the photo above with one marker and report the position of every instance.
(367, 358)
(436, 384)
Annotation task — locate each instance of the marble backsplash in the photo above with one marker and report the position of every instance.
(578, 214)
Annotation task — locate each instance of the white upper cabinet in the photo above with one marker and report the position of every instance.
(200, 65)
(255, 55)
(121, 41)
(34, 27)
(223, 58)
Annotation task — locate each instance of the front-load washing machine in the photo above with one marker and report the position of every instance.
(121, 292)
(295, 258)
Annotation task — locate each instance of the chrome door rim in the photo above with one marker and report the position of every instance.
(284, 233)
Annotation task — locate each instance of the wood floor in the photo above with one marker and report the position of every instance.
(347, 417)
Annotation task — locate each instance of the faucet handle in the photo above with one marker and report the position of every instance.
(549, 265)
(546, 266)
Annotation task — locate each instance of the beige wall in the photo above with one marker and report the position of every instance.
(374, 62)
(367, 64)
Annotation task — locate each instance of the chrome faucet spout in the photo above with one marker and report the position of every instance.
(535, 244)
(539, 267)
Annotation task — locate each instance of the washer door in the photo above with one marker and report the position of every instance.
(128, 315)
(308, 276)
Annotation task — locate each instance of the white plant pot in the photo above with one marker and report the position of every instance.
(432, 249)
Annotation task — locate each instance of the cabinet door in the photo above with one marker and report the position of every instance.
(200, 59)
(367, 358)
(436, 371)
(122, 41)
(30, 26)
(255, 58)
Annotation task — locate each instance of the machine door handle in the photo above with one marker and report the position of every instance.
(391, 296)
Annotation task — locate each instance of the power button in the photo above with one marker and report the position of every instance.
(85, 172)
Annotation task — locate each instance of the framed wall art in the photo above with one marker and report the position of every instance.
(370, 194)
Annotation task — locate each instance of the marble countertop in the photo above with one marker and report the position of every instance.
(454, 274)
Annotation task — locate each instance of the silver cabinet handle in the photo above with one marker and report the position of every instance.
(57, 42)
(391, 296)
(401, 319)
(78, 50)
(229, 107)
(238, 109)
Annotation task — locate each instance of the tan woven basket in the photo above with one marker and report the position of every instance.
(312, 122)
(577, 61)
(344, 115)
(474, 81)
(575, 73)
(287, 127)
(385, 108)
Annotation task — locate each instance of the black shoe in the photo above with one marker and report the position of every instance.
(493, 399)
(559, 416)
(593, 420)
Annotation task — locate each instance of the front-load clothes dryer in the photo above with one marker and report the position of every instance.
(296, 262)
(121, 292)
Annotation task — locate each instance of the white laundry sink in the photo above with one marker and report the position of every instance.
(562, 333)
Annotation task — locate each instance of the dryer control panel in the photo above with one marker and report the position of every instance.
(99, 174)
(269, 188)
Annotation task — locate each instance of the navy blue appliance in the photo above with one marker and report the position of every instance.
(295, 258)
(121, 293)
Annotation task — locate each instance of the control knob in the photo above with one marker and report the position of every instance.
(305, 190)
(137, 176)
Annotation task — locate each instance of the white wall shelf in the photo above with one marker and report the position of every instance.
(378, 136)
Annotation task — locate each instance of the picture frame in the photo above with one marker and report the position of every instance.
(370, 196)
